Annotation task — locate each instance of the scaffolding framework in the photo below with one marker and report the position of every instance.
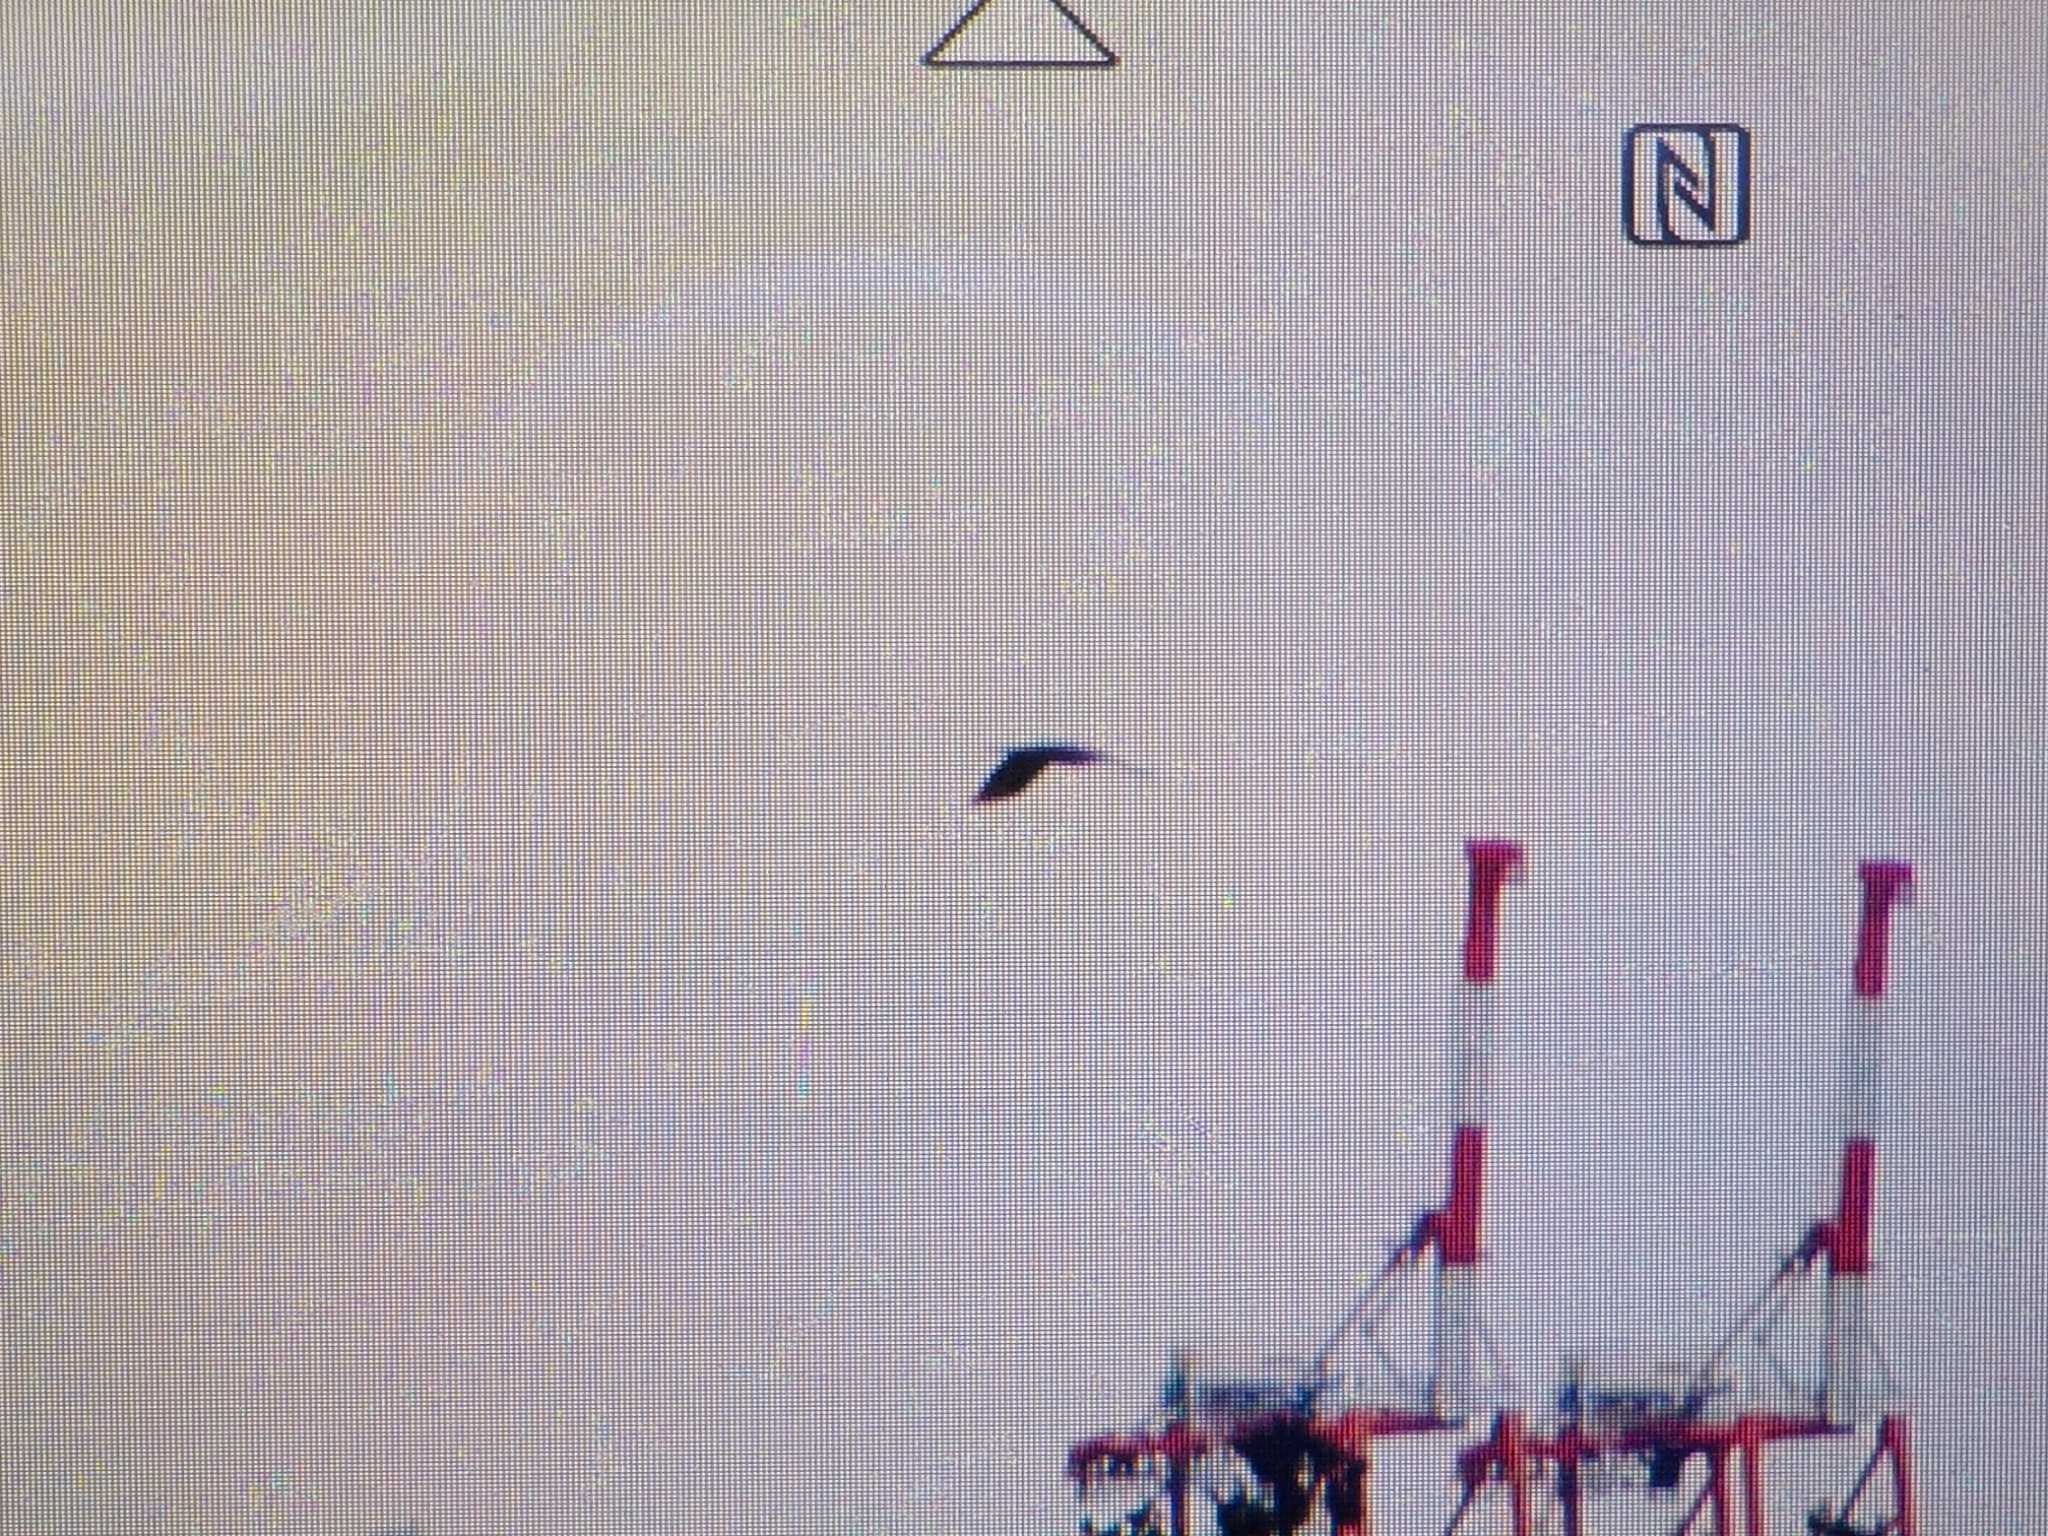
(1311, 1453)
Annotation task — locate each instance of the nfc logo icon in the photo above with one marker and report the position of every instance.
(1685, 184)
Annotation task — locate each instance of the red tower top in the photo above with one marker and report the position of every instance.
(1885, 881)
(1495, 861)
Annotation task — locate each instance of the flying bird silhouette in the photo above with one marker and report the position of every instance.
(1021, 765)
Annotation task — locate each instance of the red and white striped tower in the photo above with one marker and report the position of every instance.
(1455, 1339)
(1845, 1335)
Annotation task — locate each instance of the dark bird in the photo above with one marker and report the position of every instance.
(1021, 765)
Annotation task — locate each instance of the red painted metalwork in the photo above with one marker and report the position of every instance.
(1457, 1225)
(1884, 883)
(1123, 1455)
(1343, 1440)
(1494, 862)
(1454, 1228)
(1849, 1237)
(1895, 1443)
(1513, 1457)
(1733, 1449)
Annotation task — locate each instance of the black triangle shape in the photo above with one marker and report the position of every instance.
(931, 58)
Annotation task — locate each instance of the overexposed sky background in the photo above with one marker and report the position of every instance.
(525, 524)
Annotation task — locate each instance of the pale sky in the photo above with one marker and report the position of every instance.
(524, 528)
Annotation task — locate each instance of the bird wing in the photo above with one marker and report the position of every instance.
(1011, 776)
(1069, 752)
(1020, 765)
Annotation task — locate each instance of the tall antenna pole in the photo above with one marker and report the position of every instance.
(1454, 1344)
(1845, 1339)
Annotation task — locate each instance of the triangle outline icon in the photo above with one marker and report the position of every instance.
(1099, 54)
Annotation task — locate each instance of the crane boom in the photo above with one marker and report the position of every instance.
(1455, 1334)
(1845, 1337)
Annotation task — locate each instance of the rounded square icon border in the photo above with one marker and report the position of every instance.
(1741, 179)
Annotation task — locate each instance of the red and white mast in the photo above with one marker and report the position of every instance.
(1845, 1335)
(1456, 1333)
